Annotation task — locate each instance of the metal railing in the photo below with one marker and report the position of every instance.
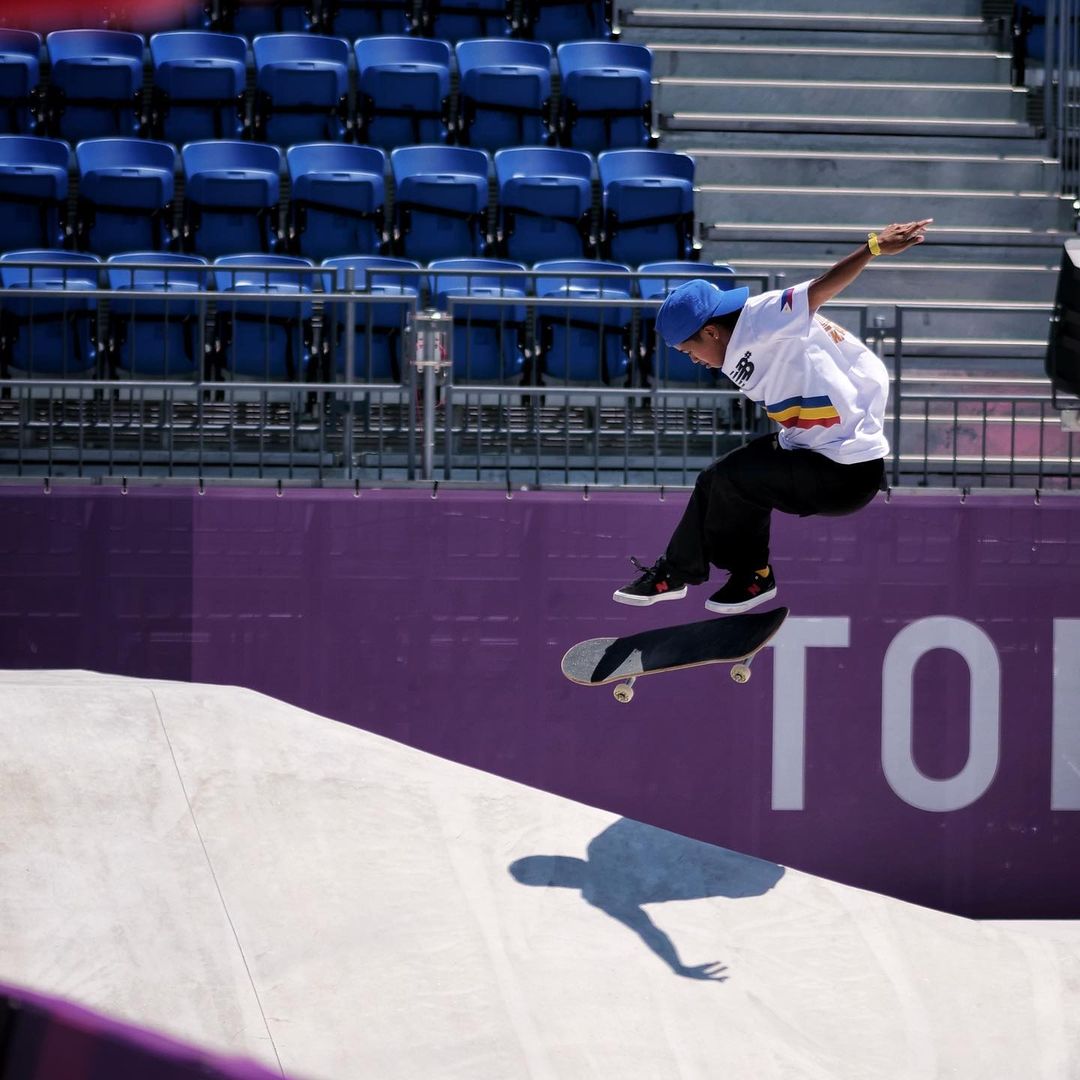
(499, 387)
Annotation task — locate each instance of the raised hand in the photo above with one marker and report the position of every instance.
(709, 972)
(896, 238)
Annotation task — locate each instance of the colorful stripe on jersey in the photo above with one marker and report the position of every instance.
(804, 412)
(786, 300)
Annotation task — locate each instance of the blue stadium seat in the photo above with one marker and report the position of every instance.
(126, 189)
(648, 200)
(33, 191)
(379, 327)
(453, 20)
(250, 19)
(20, 78)
(556, 21)
(441, 205)
(231, 197)
(157, 339)
(95, 85)
(366, 18)
(337, 199)
(545, 203)
(583, 344)
(606, 95)
(657, 279)
(302, 88)
(199, 85)
(403, 91)
(488, 338)
(505, 93)
(266, 341)
(47, 337)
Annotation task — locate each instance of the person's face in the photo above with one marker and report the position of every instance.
(707, 347)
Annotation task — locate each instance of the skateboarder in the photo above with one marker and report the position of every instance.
(825, 389)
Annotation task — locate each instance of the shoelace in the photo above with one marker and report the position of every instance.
(649, 572)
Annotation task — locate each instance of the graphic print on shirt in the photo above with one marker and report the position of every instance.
(804, 412)
(743, 369)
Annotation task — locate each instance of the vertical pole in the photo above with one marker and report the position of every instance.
(429, 357)
(898, 403)
(350, 370)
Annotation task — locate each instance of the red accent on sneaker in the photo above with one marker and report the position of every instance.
(662, 586)
(754, 589)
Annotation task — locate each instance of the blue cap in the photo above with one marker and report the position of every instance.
(689, 307)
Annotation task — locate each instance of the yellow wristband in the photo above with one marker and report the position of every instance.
(871, 242)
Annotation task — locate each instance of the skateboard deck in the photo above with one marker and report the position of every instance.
(729, 639)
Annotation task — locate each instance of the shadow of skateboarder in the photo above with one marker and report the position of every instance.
(630, 864)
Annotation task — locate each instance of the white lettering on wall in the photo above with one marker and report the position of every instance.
(1065, 745)
(789, 701)
(897, 719)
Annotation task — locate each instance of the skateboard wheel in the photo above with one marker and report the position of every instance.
(741, 673)
(623, 693)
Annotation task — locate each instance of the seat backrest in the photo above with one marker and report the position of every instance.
(217, 154)
(242, 271)
(633, 163)
(93, 154)
(559, 21)
(20, 42)
(80, 44)
(659, 278)
(374, 270)
(582, 274)
(172, 46)
(583, 55)
(395, 49)
(536, 161)
(299, 48)
(463, 275)
(490, 52)
(78, 269)
(33, 150)
(182, 271)
(334, 157)
(418, 160)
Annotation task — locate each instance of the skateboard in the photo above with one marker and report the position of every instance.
(730, 639)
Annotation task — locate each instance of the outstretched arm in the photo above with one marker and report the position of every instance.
(637, 920)
(892, 240)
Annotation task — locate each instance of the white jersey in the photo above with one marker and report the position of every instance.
(823, 386)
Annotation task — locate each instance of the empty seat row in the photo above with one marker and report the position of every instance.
(50, 335)
(543, 20)
(304, 92)
(338, 199)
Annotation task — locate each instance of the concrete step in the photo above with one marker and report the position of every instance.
(969, 9)
(693, 34)
(713, 27)
(849, 168)
(907, 277)
(929, 321)
(765, 245)
(837, 99)
(972, 210)
(950, 138)
(949, 129)
(838, 62)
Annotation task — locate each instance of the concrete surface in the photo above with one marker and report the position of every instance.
(234, 871)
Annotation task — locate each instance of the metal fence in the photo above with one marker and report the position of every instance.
(296, 374)
(1055, 37)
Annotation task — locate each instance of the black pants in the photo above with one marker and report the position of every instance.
(726, 523)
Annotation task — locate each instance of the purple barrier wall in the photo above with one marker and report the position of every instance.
(45, 1038)
(915, 730)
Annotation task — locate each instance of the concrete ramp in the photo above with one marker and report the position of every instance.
(233, 871)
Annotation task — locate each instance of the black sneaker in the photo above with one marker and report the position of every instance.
(656, 582)
(743, 591)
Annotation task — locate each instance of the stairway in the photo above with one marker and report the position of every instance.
(810, 128)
